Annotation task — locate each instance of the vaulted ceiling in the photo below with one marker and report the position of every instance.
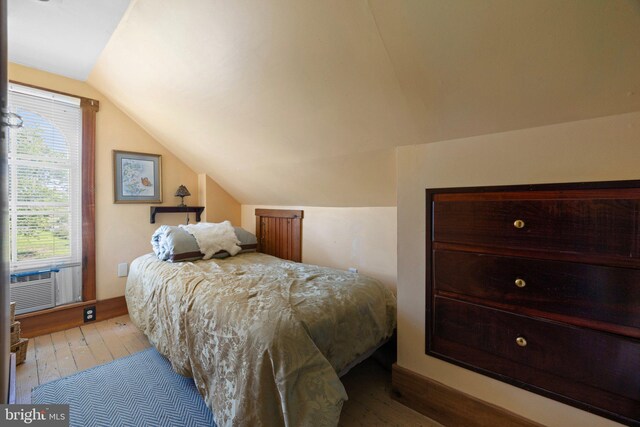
(296, 102)
(61, 36)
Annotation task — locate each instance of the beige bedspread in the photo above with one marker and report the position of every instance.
(263, 338)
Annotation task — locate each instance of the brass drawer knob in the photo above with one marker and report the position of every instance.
(520, 283)
(521, 341)
(518, 223)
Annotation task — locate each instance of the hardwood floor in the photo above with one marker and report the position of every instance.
(57, 355)
(368, 386)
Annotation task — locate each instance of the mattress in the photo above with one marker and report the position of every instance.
(263, 338)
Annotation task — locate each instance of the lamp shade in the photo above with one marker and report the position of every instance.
(182, 191)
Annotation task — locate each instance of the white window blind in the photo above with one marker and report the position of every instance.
(45, 179)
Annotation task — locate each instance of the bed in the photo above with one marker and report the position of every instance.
(264, 338)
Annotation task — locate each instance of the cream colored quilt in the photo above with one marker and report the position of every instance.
(262, 337)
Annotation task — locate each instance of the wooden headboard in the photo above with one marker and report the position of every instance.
(279, 233)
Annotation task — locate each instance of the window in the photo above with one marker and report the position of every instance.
(46, 208)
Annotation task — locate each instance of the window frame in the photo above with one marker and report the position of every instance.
(89, 108)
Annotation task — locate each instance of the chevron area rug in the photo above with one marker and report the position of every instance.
(138, 391)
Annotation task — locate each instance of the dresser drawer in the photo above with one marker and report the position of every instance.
(583, 226)
(575, 291)
(596, 360)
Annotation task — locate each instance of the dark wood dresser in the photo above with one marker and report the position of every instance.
(539, 286)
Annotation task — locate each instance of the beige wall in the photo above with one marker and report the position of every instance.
(304, 103)
(123, 231)
(219, 205)
(364, 238)
(599, 149)
(286, 102)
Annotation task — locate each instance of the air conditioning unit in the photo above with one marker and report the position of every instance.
(33, 292)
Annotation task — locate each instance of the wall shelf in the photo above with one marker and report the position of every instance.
(175, 209)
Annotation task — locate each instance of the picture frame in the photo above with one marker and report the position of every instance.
(137, 177)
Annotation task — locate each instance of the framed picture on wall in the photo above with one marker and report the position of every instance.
(137, 177)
